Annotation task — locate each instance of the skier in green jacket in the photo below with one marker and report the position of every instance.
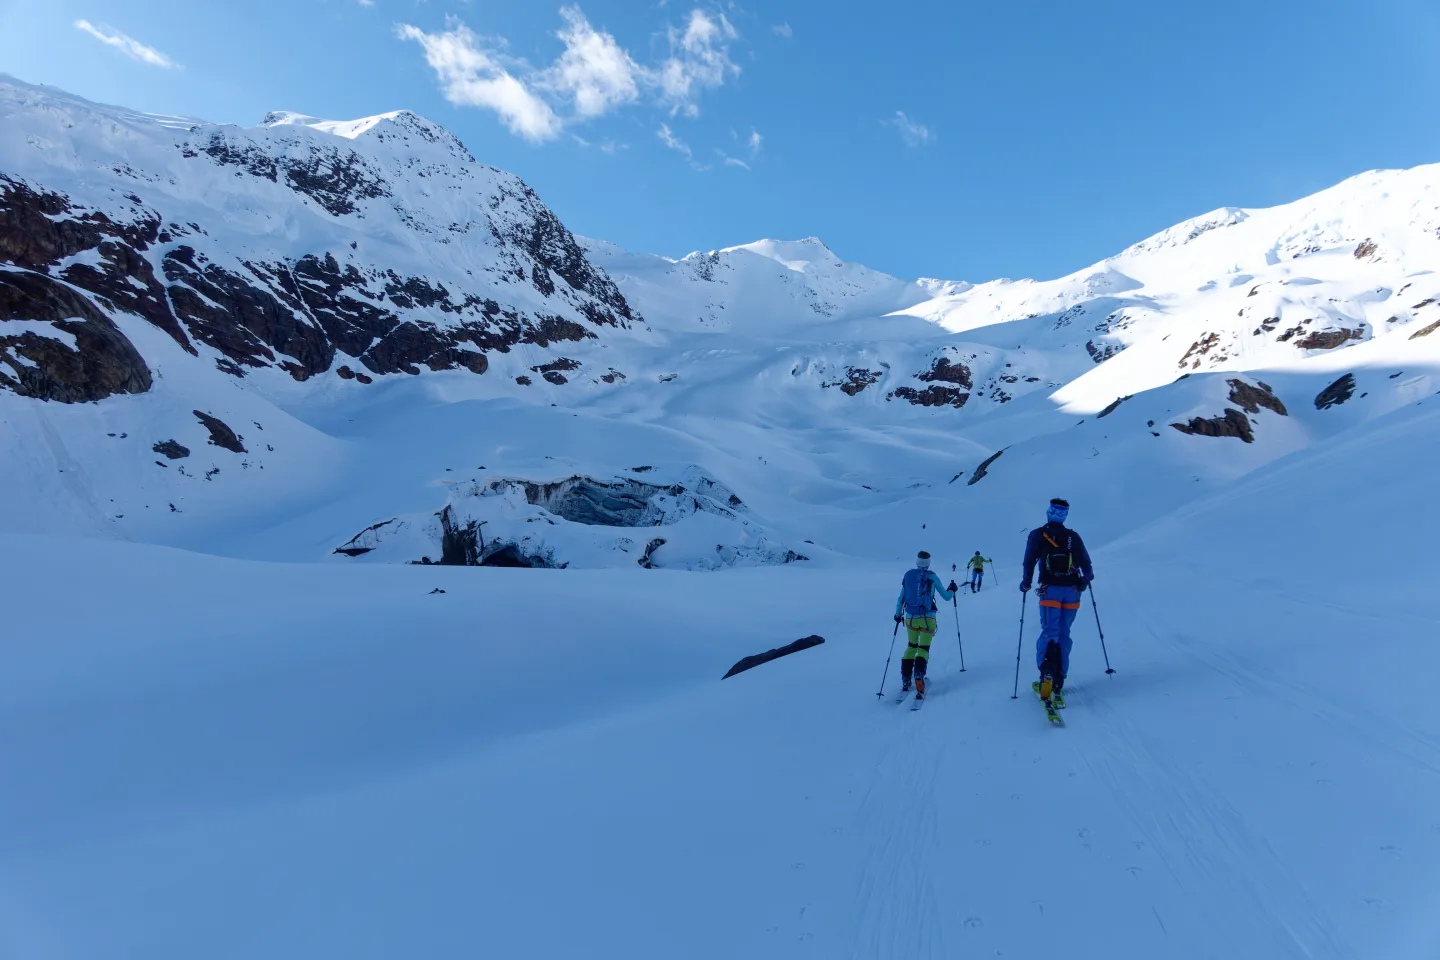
(977, 571)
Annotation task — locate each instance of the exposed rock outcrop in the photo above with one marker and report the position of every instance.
(171, 449)
(855, 380)
(1337, 393)
(756, 660)
(1251, 397)
(220, 433)
(1232, 424)
(56, 345)
(984, 467)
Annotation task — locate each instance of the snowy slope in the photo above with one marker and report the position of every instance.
(421, 781)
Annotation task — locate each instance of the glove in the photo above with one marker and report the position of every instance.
(898, 618)
(952, 588)
(1083, 584)
(1025, 587)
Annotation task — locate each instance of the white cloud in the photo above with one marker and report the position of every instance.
(472, 76)
(783, 30)
(914, 134)
(754, 142)
(129, 46)
(699, 58)
(594, 70)
(592, 77)
(366, 3)
(667, 137)
(736, 162)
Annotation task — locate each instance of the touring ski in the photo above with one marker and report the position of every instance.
(1049, 705)
(917, 701)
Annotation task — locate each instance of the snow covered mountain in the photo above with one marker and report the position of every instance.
(314, 280)
(268, 396)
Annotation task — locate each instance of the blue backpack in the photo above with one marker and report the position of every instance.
(919, 588)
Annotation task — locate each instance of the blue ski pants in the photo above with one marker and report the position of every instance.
(1058, 607)
(975, 577)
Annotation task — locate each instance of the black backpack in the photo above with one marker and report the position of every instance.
(1056, 559)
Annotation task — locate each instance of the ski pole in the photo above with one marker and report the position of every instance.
(955, 601)
(1108, 669)
(887, 659)
(1015, 694)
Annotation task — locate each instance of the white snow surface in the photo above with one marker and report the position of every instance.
(226, 737)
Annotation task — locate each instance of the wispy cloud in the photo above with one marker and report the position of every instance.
(754, 142)
(736, 162)
(472, 76)
(667, 137)
(699, 58)
(127, 45)
(593, 76)
(783, 30)
(914, 134)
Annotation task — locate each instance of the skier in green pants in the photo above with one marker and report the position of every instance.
(916, 607)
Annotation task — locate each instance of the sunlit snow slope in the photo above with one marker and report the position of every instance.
(371, 549)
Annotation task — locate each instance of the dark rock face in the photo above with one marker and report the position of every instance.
(102, 361)
(171, 449)
(650, 548)
(220, 434)
(459, 543)
(1251, 397)
(1232, 424)
(932, 396)
(333, 179)
(552, 371)
(1102, 352)
(1425, 331)
(297, 312)
(855, 380)
(942, 371)
(757, 659)
(1114, 405)
(1329, 339)
(1337, 393)
(1366, 248)
(981, 470)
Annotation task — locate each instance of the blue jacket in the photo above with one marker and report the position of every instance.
(1036, 545)
(936, 586)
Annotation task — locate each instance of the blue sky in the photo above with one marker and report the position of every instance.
(958, 140)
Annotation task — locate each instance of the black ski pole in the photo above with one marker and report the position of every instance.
(1024, 597)
(1108, 669)
(887, 659)
(955, 601)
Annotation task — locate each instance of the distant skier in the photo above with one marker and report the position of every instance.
(977, 571)
(916, 607)
(1065, 571)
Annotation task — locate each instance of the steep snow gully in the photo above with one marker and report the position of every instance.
(368, 583)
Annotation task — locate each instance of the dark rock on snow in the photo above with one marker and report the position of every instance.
(756, 660)
(101, 363)
(981, 470)
(171, 449)
(1337, 393)
(220, 434)
(1232, 424)
(1251, 397)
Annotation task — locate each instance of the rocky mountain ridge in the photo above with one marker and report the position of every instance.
(299, 245)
